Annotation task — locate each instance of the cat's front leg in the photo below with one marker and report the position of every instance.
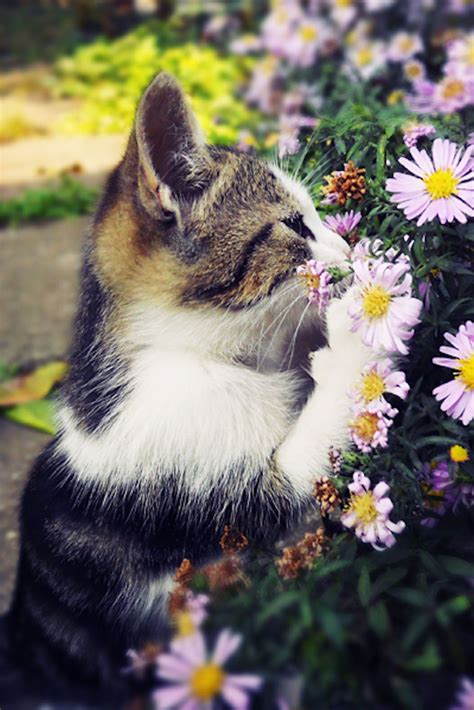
(323, 422)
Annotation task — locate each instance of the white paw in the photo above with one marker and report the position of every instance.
(346, 355)
(338, 320)
(321, 362)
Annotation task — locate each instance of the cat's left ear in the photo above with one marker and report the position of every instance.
(174, 160)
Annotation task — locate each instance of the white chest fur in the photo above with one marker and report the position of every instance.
(185, 413)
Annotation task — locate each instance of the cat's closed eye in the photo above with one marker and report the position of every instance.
(297, 224)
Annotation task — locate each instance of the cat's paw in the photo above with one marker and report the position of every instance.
(346, 355)
(338, 321)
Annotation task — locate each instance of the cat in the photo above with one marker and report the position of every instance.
(191, 401)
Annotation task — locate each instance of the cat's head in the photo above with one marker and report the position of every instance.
(192, 226)
(208, 234)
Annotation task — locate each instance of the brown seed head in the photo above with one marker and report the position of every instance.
(326, 495)
(232, 541)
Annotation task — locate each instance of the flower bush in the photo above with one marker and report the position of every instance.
(110, 75)
(350, 625)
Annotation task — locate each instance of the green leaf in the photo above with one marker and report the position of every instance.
(410, 596)
(428, 660)
(457, 566)
(276, 606)
(332, 627)
(363, 586)
(387, 579)
(38, 415)
(379, 620)
(36, 385)
(419, 624)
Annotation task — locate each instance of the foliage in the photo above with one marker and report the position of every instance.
(67, 199)
(111, 74)
(377, 629)
(25, 398)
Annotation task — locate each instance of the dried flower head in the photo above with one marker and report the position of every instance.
(225, 573)
(347, 184)
(335, 459)
(232, 541)
(290, 564)
(184, 573)
(302, 555)
(326, 495)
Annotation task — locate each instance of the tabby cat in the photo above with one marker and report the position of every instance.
(190, 402)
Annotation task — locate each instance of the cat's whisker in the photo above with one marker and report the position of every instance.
(282, 318)
(292, 345)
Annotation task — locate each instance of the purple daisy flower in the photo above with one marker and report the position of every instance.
(438, 488)
(343, 224)
(377, 379)
(368, 513)
(198, 677)
(414, 131)
(457, 395)
(440, 187)
(369, 427)
(461, 57)
(452, 94)
(383, 306)
(317, 281)
(465, 695)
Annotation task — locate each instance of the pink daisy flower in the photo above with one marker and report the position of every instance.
(457, 396)
(461, 57)
(414, 70)
(317, 281)
(368, 513)
(441, 186)
(198, 678)
(343, 224)
(369, 427)
(404, 46)
(412, 133)
(377, 379)
(383, 306)
(305, 40)
(465, 696)
(452, 94)
(188, 621)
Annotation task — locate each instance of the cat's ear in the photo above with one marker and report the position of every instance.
(173, 157)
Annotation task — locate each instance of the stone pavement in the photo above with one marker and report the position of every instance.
(39, 268)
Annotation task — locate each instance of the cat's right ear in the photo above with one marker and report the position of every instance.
(173, 158)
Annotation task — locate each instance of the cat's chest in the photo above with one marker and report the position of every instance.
(185, 413)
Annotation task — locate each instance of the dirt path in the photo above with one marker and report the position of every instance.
(39, 267)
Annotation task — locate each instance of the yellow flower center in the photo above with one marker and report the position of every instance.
(343, 3)
(406, 43)
(308, 33)
(469, 53)
(207, 681)
(441, 183)
(376, 302)
(313, 281)
(453, 88)
(364, 507)
(364, 56)
(458, 454)
(373, 386)
(365, 425)
(184, 623)
(434, 497)
(395, 97)
(413, 70)
(466, 372)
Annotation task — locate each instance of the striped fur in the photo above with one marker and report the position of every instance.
(189, 403)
